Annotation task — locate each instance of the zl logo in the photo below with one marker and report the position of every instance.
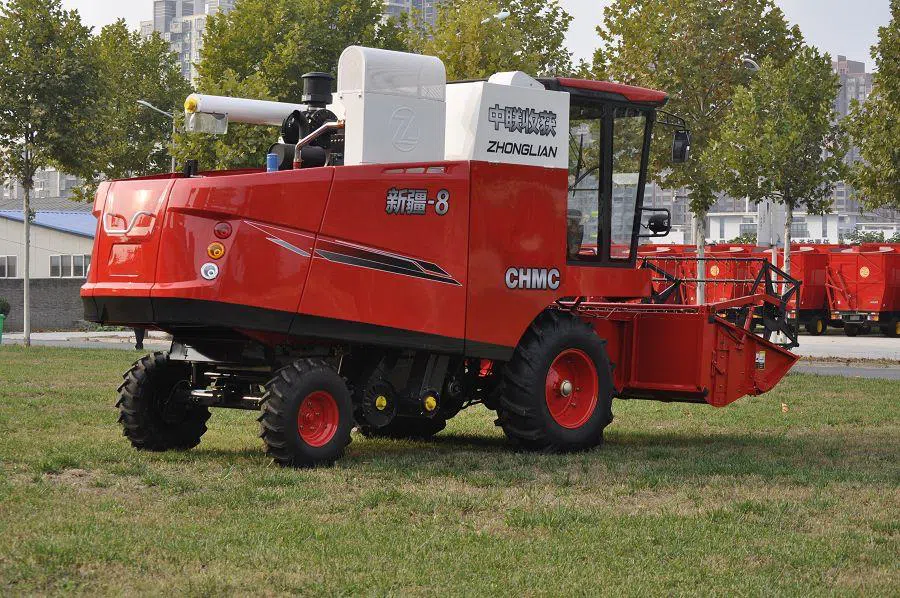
(406, 131)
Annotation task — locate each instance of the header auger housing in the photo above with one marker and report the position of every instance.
(466, 243)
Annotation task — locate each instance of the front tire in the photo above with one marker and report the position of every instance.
(307, 415)
(153, 410)
(557, 388)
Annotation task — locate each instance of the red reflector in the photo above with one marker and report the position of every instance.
(222, 230)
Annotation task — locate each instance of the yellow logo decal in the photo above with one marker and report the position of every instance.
(864, 272)
(714, 270)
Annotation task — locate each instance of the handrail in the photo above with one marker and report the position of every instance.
(121, 232)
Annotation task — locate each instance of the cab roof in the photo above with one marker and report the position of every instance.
(608, 90)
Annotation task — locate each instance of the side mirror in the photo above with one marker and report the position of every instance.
(659, 224)
(681, 147)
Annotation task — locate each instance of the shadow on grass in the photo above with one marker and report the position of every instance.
(655, 457)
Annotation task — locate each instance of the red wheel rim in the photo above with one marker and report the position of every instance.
(571, 388)
(318, 418)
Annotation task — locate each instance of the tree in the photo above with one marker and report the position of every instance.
(693, 50)
(47, 93)
(131, 139)
(875, 125)
(473, 45)
(280, 40)
(261, 49)
(779, 141)
(856, 237)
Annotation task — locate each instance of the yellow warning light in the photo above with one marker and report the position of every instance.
(191, 104)
(381, 403)
(215, 250)
(430, 403)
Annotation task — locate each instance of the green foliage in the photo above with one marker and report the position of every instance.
(693, 50)
(131, 139)
(856, 237)
(531, 39)
(280, 40)
(875, 126)
(745, 238)
(48, 85)
(4, 306)
(779, 140)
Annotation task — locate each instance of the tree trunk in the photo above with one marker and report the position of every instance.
(700, 242)
(788, 221)
(26, 274)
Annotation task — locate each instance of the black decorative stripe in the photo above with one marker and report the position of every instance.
(373, 260)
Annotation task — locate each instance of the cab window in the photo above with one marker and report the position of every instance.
(585, 172)
(628, 149)
(606, 154)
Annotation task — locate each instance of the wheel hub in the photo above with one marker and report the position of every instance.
(572, 388)
(318, 418)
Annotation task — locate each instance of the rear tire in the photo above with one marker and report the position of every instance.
(891, 330)
(307, 415)
(153, 415)
(557, 388)
(851, 329)
(816, 326)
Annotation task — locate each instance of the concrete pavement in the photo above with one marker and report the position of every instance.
(91, 340)
(836, 344)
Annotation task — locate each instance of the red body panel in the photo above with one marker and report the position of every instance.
(129, 214)
(518, 216)
(356, 217)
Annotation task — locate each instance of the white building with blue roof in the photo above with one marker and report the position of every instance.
(61, 243)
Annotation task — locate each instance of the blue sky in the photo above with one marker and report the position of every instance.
(848, 27)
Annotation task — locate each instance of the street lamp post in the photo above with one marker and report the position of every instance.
(146, 104)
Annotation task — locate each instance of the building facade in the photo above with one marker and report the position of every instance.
(61, 244)
(426, 10)
(49, 183)
(182, 23)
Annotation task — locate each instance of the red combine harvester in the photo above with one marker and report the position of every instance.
(863, 289)
(418, 248)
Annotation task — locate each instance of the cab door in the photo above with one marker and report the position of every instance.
(609, 147)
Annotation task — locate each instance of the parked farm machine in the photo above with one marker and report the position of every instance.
(417, 248)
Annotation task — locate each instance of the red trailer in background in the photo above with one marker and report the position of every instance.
(863, 288)
(808, 265)
(855, 288)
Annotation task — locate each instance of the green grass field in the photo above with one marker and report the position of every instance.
(683, 499)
